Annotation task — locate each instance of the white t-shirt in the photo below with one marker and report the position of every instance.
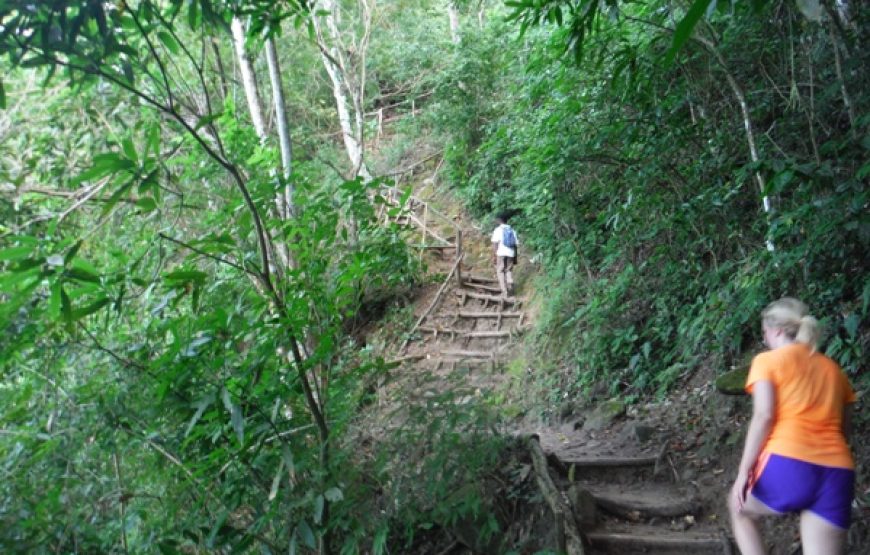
(497, 236)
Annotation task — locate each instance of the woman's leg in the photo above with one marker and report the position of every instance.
(744, 522)
(819, 536)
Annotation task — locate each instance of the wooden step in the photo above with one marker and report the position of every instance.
(465, 334)
(481, 287)
(647, 500)
(425, 247)
(466, 294)
(489, 314)
(631, 539)
(480, 279)
(486, 355)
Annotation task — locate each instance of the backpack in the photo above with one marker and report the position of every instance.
(508, 237)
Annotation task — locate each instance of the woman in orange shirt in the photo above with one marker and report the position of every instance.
(796, 458)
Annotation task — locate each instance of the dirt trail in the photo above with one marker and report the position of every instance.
(625, 479)
(465, 336)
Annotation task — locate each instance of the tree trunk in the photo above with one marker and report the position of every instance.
(249, 80)
(747, 126)
(348, 97)
(453, 16)
(285, 202)
(283, 199)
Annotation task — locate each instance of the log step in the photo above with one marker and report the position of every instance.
(582, 461)
(480, 279)
(481, 287)
(648, 500)
(484, 297)
(489, 314)
(628, 540)
(418, 246)
(487, 355)
(464, 334)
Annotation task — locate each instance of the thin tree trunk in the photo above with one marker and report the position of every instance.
(348, 98)
(249, 80)
(284, 198)
(747, 126)
(838, 66)
(453, 17)
(285, 204)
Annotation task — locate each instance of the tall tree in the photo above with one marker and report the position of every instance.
(345, 63)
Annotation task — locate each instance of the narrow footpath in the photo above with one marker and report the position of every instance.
(609, 486)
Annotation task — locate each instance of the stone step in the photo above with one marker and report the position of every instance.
(647, 500)
(655, 540)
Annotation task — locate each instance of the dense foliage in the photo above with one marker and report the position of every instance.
(180, 365)
(636, 181)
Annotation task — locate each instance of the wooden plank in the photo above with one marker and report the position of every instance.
(489, 314)
(480, 279)
(470, 334)
(469, 354)
(485, 297)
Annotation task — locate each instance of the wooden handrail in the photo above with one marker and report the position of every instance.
(392, 194)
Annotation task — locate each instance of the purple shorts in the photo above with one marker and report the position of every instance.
(789, 485)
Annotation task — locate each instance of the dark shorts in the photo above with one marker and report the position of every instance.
(789, 485)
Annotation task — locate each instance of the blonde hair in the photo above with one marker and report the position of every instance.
(792, 316)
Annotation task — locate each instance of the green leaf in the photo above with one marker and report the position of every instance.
(103, 165)
(129, 149)
(65, 306)
(186, 275)
(2, 96)
(236, 418)
(206, 120)
(80, 313)
(146, 204)
(201, 405)
(15, 253)
(276, 481)
(306, 534)
(169, 42)
(333, 495)
(116, 196)
(685, 27)
(319, 504)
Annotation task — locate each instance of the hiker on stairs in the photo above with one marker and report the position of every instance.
(505, 248)
(796, 457)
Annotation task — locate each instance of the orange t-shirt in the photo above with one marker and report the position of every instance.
(811, 392)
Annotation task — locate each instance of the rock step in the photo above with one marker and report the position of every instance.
(651, 540)
(639, 501)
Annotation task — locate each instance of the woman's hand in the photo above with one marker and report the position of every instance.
(739, 490)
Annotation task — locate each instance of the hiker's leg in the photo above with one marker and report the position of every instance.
(819, 536)
(744, 523)
(509, 277)
(825, 522)
(500, 263)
